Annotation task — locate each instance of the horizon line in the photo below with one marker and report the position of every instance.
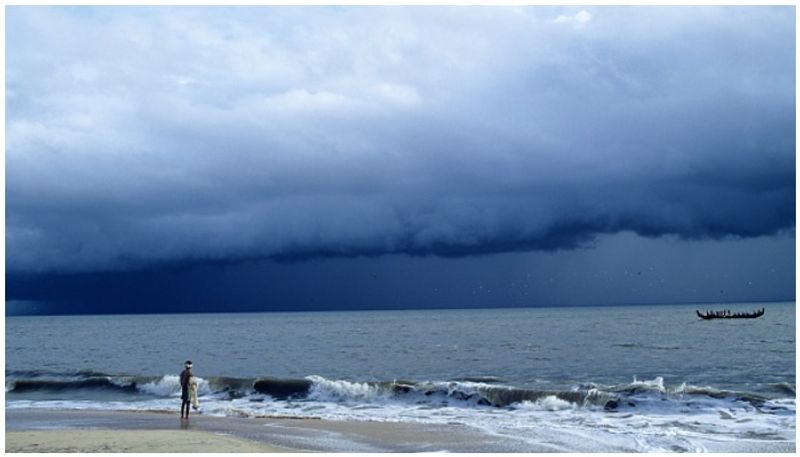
(426, 308)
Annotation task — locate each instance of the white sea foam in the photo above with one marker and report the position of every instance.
(167, 386)
(549, 420)
(662, 419)
(329, 390)
(549, 403)
(656, 384)
(170, 386)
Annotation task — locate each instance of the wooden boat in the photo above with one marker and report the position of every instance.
(726, 314)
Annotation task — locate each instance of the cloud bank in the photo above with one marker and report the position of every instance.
(148, 135)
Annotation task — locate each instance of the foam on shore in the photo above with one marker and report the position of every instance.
(358, 436)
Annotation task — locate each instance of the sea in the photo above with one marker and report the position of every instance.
(606, 378)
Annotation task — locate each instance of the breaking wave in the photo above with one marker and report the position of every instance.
(462, 393)
(660, 417)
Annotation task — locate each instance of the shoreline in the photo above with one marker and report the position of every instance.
(259, 434)
(53, 430)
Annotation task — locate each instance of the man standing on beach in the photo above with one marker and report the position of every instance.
(186, 377)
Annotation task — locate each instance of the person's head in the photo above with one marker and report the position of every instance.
(188, 365)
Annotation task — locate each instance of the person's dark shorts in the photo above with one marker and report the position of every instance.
(185, 394)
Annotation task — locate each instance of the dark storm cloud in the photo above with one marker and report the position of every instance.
(142, 136)
(621, 269)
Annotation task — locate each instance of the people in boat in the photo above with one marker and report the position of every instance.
(728, 314)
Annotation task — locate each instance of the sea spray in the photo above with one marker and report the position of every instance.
(648, 414)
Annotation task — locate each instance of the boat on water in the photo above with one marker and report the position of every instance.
(727, 314)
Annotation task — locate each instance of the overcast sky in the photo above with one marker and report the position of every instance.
(265, 158)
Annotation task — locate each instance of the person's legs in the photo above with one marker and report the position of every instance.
(185, 403)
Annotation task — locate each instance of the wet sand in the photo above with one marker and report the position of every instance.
(37, 430)
(275, 434)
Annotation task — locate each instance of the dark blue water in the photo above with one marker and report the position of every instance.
(542, 364)
(523, 346)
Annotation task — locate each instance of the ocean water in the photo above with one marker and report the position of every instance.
(627, 378)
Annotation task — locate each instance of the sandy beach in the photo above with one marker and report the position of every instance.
(130, 441)
(32, 430)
